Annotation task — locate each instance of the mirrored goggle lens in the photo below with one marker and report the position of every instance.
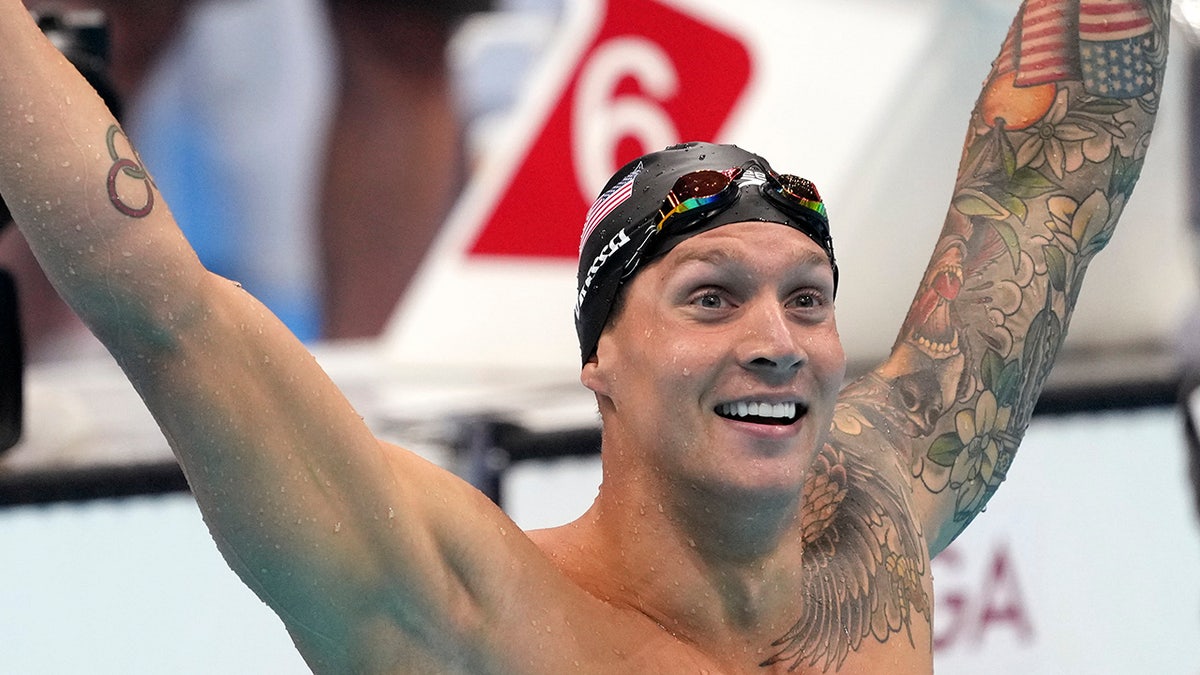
(696, 191)
(800, 191)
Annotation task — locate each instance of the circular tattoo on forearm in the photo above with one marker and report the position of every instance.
(131, 168)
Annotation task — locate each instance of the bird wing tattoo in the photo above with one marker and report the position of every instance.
(863, 562)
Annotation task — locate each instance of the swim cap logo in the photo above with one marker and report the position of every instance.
(752, 177)
(607, 203)
(607, 252)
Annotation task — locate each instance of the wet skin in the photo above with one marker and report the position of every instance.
(742, 313)
(696, 525)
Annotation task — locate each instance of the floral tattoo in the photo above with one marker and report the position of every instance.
(1055, 145)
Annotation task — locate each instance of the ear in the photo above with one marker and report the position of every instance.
(595, 375)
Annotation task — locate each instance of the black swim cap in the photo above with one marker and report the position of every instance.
(621, 232)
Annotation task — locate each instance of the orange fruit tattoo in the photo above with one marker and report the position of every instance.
(1019, 107)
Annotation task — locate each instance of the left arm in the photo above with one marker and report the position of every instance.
(1055, 144)
(1052, 153)
(921, 443)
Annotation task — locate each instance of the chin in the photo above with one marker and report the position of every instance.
(770, 478)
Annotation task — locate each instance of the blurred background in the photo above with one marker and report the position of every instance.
(402, 182)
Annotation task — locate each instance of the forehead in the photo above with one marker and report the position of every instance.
(760, 246)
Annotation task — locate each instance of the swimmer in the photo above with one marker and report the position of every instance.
(755, 515)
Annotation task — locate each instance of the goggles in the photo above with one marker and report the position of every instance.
(699, 193)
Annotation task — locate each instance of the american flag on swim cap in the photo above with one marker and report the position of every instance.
(607, 203)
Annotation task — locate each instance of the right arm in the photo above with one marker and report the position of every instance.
(361, 547)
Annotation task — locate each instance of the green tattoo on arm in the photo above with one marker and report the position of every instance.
(1054, 149)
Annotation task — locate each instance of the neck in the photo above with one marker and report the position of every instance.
(704, 561)
(732, 527)
(724, 521)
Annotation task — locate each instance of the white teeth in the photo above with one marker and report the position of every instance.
(759, 409)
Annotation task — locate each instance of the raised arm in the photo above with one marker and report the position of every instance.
(1055, 144)
(362, 548)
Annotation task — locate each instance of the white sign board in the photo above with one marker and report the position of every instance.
(868, 98)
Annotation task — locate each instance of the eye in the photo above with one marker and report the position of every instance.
(709, 299)
(807, 299)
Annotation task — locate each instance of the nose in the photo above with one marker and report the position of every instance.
(770, 345)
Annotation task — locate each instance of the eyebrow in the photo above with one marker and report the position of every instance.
(718, 257)
(715, 257)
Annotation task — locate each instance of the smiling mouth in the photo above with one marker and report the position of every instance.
(761, 412)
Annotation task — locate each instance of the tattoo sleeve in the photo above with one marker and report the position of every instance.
(1055, 145)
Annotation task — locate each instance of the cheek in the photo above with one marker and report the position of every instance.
(633, 361)
(688, 362)
(828, 358)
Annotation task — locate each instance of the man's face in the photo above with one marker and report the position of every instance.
(724, 362)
